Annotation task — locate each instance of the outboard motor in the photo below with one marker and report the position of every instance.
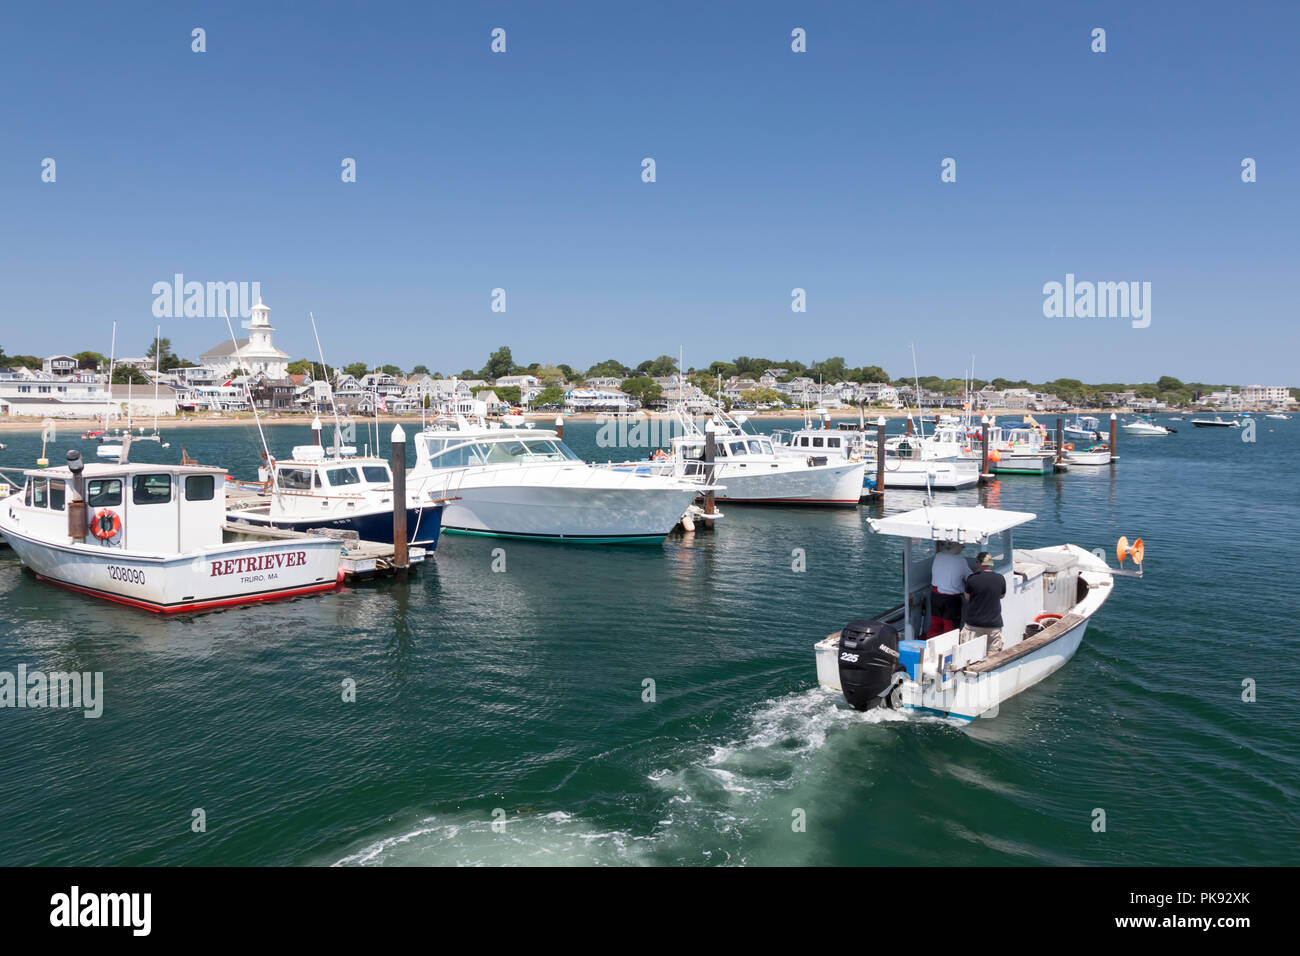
(868, 662)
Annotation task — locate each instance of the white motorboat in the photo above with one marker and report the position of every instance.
(154, 537)
(1093, 455)
(1278, 416)
(890, 661)
(754, 472)
(526, 483)
(1144, 428)
(316, 489)
(1083, 428)
(1216, 422)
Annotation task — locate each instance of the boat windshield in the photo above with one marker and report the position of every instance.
(343, 476)
(377, 474)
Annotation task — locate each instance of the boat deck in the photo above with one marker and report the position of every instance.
(1028, 645)
(360, 559)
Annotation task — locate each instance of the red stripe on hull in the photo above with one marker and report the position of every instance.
(198, 606)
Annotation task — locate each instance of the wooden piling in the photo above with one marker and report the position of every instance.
(559, 427)
(1113, 432)
(880, 457)
(1060, 440)
(401, 557)
(984, 449)
(710, 469)
(315, 431)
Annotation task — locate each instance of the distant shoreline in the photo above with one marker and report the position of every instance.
(79, 425)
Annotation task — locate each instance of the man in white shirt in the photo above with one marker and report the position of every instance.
(947, 584)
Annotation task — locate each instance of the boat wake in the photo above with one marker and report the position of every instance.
(525, 839)
(738, 797)
(708, 802)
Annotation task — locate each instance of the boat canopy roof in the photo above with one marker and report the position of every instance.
(950, 523)
(95, 469)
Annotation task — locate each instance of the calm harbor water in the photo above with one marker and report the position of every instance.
(522, 692)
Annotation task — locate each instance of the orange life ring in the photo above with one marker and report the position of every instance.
(106, 524)
(1048, 614)
(1068, 446)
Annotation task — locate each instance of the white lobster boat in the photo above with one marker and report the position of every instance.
(1052, 593)
(315, 489)
(154, 537)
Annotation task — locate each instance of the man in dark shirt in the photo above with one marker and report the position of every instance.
(985, 589)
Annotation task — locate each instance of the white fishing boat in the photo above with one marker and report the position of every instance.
(316, 489)
(892, 661)
(1144, 428)
(932, 461)
(754, 472)
(154, 537)
(1016, 450)
(526, 483)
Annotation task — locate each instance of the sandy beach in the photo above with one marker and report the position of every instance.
(79, 425)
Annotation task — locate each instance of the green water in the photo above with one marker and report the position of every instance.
(522, 692)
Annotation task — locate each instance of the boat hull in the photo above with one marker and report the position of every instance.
(216, 577)
(820, 485)
(578, 515)
(943, 475)
(423, 524)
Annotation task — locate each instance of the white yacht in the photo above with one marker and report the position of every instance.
(1144, 428)
(316, 489)
(894, 661)
(154, 537)
(526, 483)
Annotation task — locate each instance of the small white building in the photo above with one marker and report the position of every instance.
(256, 353)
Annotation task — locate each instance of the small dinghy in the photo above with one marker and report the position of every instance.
(910, 659)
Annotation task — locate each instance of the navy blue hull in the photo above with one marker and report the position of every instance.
(423, 525)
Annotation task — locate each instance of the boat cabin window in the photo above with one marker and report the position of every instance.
(57, 494)
(343, 476)
(151, 489)
(36, 493)
(817, 442)
(295, 479)
(200, 488)
(458, 456)
(543, 451)
(832, 443)
(104, 493)
(377, 474)
(501, 451)
(720, 450)
(738, 448)
(760, 446)
(434, 445)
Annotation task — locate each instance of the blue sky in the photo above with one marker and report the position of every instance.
(775, 170)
